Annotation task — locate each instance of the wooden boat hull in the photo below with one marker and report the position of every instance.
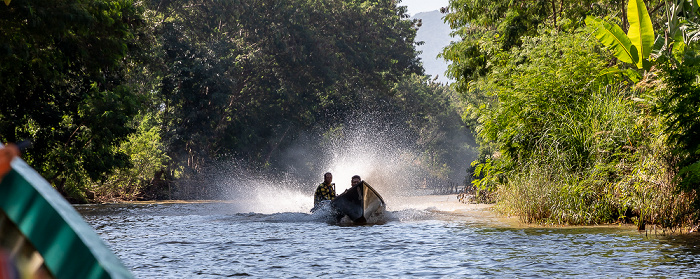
(37, 222)
(358, 203)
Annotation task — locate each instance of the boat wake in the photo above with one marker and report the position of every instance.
(328, 217)
(399, 209)
(294, 207)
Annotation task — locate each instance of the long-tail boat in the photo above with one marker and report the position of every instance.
(358, 203)
(43, 236)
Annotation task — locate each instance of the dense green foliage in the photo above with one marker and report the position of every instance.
(290, 64)
(60, 72)
(682, 110)
(565, 137)
(122, 98)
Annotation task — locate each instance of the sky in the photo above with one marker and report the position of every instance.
(419, 6)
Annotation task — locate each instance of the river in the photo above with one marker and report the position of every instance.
(420, 237)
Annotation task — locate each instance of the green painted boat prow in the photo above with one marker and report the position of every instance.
(69, 246)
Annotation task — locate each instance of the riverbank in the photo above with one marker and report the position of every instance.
(487, 215)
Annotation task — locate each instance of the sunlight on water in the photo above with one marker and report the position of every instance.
(271, 200)
(380, 155)
(266, 197)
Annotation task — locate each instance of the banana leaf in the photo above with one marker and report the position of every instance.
(641, 31)
(613, 37)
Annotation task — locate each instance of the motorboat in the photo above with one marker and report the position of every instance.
(358, 203)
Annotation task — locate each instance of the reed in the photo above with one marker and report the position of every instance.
(565, 140)
(603, 162)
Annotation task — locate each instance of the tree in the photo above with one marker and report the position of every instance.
(489, 27)
(633, 47)
(60, 77)
(431, 111)
(240, 75)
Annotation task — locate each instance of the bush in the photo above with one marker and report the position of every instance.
(146, 151)
(575, 147)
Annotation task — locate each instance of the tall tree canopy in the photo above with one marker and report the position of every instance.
(120, 95)
(239, 75)
(61, 68)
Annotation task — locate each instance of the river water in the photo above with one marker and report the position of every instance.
(424, 237)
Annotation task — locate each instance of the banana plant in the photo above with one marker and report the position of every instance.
(633, 47)
(682, 25)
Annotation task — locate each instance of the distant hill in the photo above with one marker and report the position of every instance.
(436, 35)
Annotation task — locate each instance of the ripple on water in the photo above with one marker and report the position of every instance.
(208, 241)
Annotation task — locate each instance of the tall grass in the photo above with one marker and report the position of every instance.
(601, 161)
(563, 143)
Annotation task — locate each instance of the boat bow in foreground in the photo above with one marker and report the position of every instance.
(45, 234)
